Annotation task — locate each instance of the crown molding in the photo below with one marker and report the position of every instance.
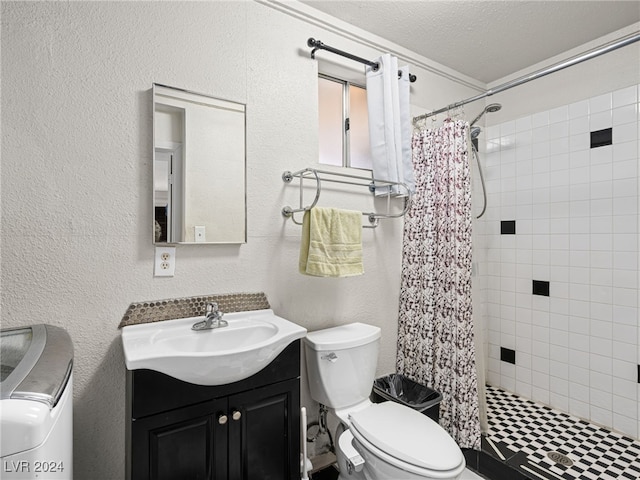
(314, 17)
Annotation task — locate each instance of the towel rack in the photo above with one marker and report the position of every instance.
(324, 175)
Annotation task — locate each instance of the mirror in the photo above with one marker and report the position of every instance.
(198, 168)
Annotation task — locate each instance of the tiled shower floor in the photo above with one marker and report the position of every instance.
(524, 432)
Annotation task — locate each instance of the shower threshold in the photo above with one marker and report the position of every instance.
(531, 441)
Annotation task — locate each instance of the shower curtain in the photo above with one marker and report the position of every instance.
(435, 326)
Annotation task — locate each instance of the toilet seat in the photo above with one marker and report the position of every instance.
(406, 438)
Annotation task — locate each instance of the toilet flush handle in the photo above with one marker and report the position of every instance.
(332, 357)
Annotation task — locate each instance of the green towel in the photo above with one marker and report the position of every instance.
(331, 243)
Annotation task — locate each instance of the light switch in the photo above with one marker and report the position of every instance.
(200, 233)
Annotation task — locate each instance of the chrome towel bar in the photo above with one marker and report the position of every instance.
(345, 178)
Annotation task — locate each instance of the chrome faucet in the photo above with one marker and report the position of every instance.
(213, 319)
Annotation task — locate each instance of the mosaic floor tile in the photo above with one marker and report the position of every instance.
(586, 451)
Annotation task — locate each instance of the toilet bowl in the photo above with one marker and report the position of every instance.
(375, 441)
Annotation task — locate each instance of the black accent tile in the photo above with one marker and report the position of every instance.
(541, 287)
(508, 227)
(600, 138)
(508, 355)
(638, 373)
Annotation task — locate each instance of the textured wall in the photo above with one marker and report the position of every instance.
(76, 180)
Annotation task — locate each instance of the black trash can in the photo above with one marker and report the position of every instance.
(400, 389)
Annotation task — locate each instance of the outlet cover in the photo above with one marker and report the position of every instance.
(165, 264)
(200, 233)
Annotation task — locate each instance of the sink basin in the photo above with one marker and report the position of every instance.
(209, 357)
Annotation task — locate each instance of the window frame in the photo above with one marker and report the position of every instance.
(346, 119)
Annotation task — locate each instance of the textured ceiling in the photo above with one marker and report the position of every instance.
(488, 39)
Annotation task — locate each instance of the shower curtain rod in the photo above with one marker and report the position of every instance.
(601, 50)
(318, 45)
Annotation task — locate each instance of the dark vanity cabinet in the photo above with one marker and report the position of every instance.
(247, 430)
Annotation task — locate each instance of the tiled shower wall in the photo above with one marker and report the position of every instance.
(559, 251)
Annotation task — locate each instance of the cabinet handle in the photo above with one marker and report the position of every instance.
(236, 415)
(222, 419)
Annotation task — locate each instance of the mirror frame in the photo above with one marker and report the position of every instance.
(154, 164)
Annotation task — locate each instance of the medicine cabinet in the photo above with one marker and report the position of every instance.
(199, 168)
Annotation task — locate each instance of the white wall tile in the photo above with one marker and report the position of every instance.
(627, 132)
(626, 425)
(558, 146)
(625, 315)
(625, 169)
(625, 388)
(579, 158)
(579, 109)
(523, 124)
(624, 278)
(625, 151)
(625, 370)
(577, 212)
(601, 397)
(600, 364)
(600, 103)
(559, 114)
(560, 402)
(600, 346)
(600, 120)
(507, 128)
(601, 259)
(540, 119)
(559, 130)
(626, 114)
(600, 415)
(627, 187)
(627, 297)
(579, 141)
(625, 96)
(578, 407)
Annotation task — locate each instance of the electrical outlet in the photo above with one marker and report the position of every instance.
(165, 264)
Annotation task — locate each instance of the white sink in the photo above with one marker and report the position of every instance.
(209, 357)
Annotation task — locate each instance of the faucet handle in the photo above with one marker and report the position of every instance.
(212, 307)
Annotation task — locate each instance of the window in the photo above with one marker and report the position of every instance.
(343, 124)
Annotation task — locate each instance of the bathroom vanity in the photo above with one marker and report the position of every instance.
(245, 430)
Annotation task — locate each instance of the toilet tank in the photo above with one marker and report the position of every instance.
(341, 363)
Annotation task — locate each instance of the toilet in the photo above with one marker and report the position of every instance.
(375, 441)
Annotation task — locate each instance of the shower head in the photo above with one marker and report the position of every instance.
(474, 132)
(492, 107)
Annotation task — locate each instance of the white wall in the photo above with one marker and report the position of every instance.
(76, 179)
(576, 212)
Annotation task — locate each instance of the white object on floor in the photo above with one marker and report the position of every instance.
(36, 403)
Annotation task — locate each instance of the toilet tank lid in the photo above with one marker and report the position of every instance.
(342, 337)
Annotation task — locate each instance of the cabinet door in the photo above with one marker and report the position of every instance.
(186, 443)
(264, 434)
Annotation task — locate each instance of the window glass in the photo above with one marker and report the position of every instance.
(341, 104)
(330, 110)
(360, 150)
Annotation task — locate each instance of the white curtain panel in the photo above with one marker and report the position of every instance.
(389, 124)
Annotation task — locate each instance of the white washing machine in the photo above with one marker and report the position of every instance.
(36, 403)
